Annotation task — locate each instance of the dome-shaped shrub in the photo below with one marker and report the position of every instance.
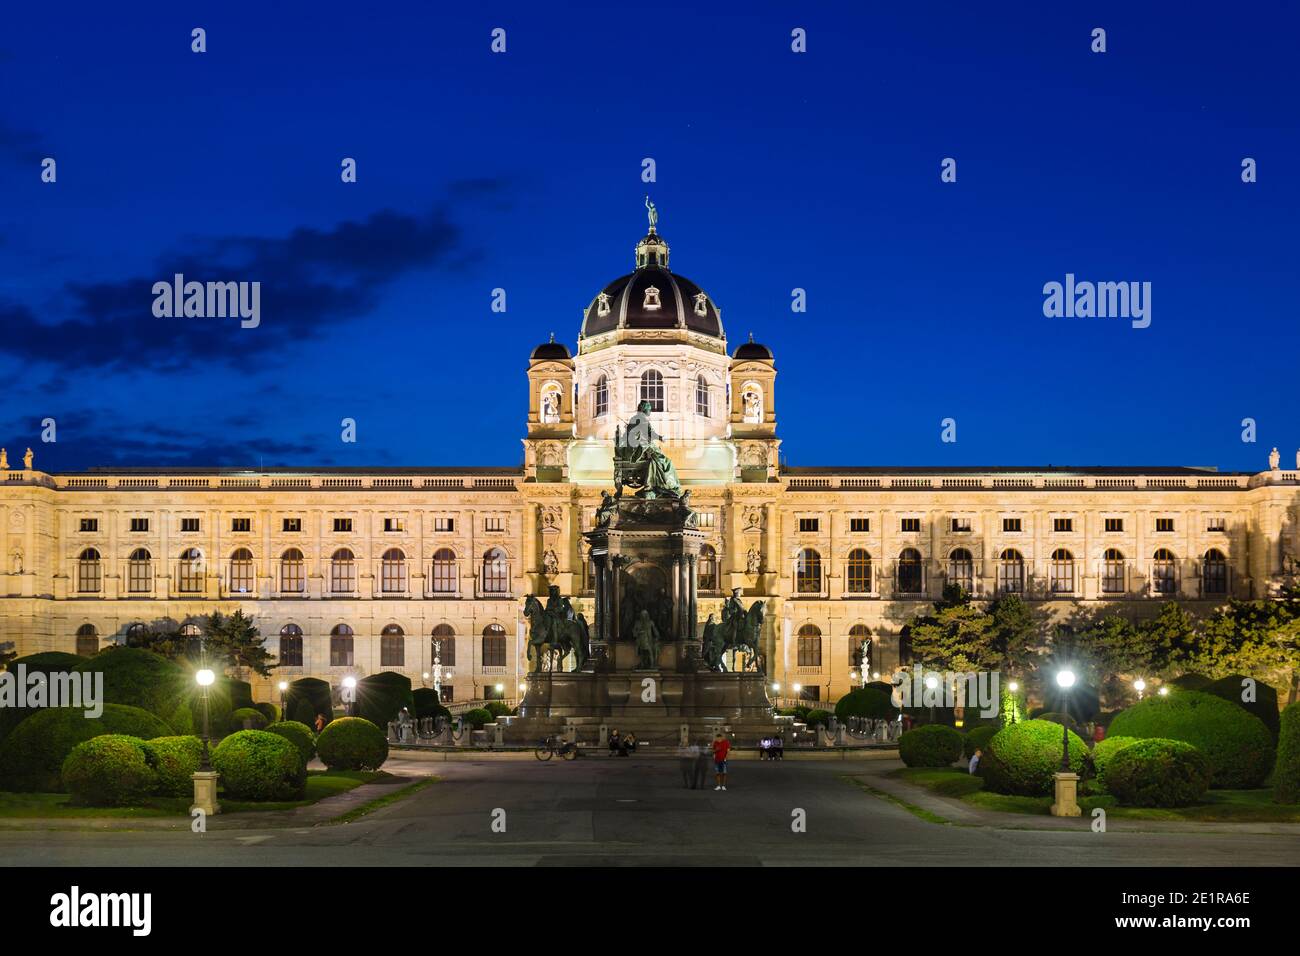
(352, 743)
(306, 698)
(43, 663)
(31, 758)
(111, 770)
(268, 710)
(139, 678)
(1023, 758)
(255, 765)
(247, 718)
(1286, 774)
(1236, 744)
(933, 745)
(1157, 773)
(818, 718)
(477, 717)
(381, 697)
(498, 708)
(1103, 751)
(300, 735)
(175, 760)
(865, 702)
(1264, 706)
(977, 738)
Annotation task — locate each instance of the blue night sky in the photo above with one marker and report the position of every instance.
(522, 171)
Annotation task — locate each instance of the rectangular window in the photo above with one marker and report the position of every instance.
(860, 525)
(139, 524)
(1011, 524)
(1061, 525)
(1114, 524)
(810, 693)
(810, 651)
(340, 651)
(241, 524)
(291, 524)
(494, 524)
(342, 524)
(444, 524)
(707, 519)
(392, 651)
(189, 525)
(393, 524)
(1216, 524)
(911, 524)
(1164, 524)
(494, 650)
(89, 524)
(809, 524)
(290, 651)
(961, 525)
(448, 693)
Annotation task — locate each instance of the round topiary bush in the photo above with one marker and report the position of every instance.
(870, 702)
(1022, 758)
(1264, 706)
(934, 745)
(31, 757)
(300, 735)
(1158, 773)
(1103, 751)
(353, 743)
(246, 718)
(477, 717)
(1192, 681)
(1286, 773)
(44, 664)
(268, 710)
(381, 697)
(498, 708)
(307, 698)
(818, 718)
(175, 760)
(977, 738)
(111, 770)
(255, 765)
(1236, 744)
(139, 678)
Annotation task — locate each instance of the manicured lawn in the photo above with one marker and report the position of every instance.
(320, 784)
(1234, 806)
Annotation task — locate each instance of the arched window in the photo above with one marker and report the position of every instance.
(292, 578)
(494, 646)
(445, 652)
(702, 403)
(859, 572)
(392, 647)
(139, 572)
(810, 646)
(392, 572)
(961, 570)
(496, 572)
(808, 572)
(341, 644)
(1112, 572)
(1011, 572)
(1214, 573)
(1163, 573)
(136, 635)
(652, 390)
(1061, 573)
(241, 571)
(189, 571)
(600, 398)
(291, 646)
(89, 572)
(192, 636)
(860, 650)
(444, 571)
(87, 641)
(706, 573)
(343, 572)
(911, 577)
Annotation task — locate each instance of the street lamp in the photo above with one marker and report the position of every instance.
(1013, 686)
(350, 698)
(1065, 680)
(1163, 692)
(1139, 685)
(931, 682)
(205, 678)
(284, 688)
(1065, 784)
(205, 778)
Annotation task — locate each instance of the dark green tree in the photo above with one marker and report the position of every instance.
(234, 641)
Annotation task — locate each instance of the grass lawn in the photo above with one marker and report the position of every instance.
(1233, 806)
(320, 784)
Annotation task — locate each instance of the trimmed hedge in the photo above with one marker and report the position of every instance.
(352, 743)
(1192, 681)
(300, 735)
(477, 717)
(498, 708)
(1264, 706)
(1235, 743)
(1286, 773)
(247, 718)
(139, 678)
(381, 697)
(819, 718)
(865, 702)
(268, 710)
(1103, 751)
(977, 738)
(43, 663)
(1023, 758)
(427, 704)
(933, 745)
(255, 765)
(306, 698)
(175, 760)
(1158, 773)
(1081, 702)
(31, 758)
(111, 770)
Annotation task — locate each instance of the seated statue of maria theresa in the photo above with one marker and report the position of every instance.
(640, 453)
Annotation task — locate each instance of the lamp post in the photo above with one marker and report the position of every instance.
(350, 697)
(1067, 783)
(931, 682)
(1015, 701)
(1163, 691)
(284, 689)
(1139, 685)
(205, 778)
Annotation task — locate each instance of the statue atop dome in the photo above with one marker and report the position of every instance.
(651, 213)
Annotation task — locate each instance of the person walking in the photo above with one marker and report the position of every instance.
(614, 742)
(699, 780)
(320, 722)
(975, 761)
(686, 762)
(721, 747)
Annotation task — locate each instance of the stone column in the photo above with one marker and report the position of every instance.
(678, 628)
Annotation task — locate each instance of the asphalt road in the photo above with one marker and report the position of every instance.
(600, 811)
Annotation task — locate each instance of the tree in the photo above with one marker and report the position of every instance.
(1014, 634)
(7, 652)
(955, 636)
(1257, 637)
(236, 642)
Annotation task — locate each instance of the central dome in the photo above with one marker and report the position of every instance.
(652, 297)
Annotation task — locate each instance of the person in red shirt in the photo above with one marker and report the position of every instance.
(721, 747)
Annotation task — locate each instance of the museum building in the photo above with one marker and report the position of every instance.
(354, 571)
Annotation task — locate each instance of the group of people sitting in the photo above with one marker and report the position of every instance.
(621, 746)
(771, 748)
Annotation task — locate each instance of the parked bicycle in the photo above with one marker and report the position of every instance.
(552, 746)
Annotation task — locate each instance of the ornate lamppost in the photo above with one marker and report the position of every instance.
(1066, 783)
(205, 778)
